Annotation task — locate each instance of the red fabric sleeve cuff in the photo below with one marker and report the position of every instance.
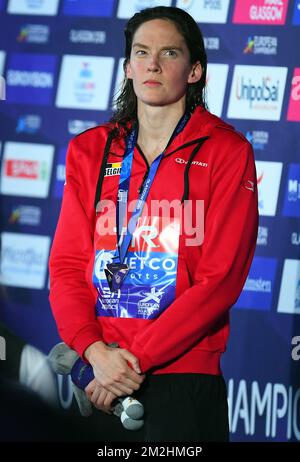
(91, 334)
(144, 361)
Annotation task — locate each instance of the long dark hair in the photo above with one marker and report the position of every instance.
(126, 102)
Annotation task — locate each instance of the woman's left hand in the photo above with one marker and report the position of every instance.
(100, 397)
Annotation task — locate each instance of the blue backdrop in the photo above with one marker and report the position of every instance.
(61, 64)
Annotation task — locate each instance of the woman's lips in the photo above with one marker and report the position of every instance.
(152, 83)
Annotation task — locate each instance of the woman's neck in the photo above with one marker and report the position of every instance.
(156, 125)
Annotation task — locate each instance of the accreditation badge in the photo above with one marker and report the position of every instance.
(151, 268)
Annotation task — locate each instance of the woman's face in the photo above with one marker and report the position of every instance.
(159, 64)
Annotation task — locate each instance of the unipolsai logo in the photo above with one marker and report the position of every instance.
(257, 92)
(266, 90)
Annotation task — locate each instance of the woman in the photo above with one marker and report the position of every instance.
(160, 290)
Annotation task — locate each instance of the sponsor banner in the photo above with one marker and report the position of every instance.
(34, 33)
(2, 59)
(289, 296)
(295, 238)
(262, 236)
(268, 182)
(294, 103)
(33, 7)
(270, 12)
(127, 8)
(29, 123)
(2, 80)
(88, 8)
(216, 85)
(257, 92)
(206, 11)
(212, 43)
(258, 138)
(291, 207)
(85, 82)
(264, 409)
(60, 174)
(86, 36)
(76, 126)
(26, 169)
(25, 215)
(258, 290)
(296, 13)
(24, 259)
(30, 78)
(261, 45)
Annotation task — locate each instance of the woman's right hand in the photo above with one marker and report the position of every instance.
(111, 369)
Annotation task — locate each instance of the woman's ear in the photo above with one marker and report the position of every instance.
(196, 73)
(128, 70)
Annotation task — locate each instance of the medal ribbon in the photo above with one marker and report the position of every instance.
(124, 183)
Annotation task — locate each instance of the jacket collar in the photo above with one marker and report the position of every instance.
(200, 125)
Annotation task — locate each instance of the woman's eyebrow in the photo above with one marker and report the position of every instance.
(139, 45)
(165, 47)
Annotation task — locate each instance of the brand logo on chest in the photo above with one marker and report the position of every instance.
(179, 160)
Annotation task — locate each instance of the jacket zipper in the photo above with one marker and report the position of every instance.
(147, 165)
(190, 143)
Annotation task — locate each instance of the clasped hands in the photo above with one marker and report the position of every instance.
(113, 375)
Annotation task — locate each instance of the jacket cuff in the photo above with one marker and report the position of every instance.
(87, 336)
(144, 361)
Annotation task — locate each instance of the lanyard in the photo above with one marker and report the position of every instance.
(124, 184)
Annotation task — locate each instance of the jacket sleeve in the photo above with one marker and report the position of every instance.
(227, 251)
(71, 299)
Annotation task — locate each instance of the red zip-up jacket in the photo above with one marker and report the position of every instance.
(206, 161)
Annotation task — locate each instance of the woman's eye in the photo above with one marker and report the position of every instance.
(171, 53)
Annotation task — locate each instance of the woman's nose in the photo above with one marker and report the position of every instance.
(153, 64)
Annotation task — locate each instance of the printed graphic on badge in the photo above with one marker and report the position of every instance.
(115, 275)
